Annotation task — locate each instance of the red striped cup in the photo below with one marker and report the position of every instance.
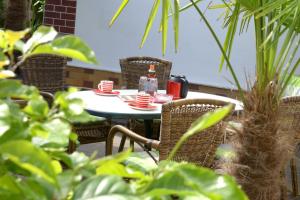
(143, 99)
(106, 86)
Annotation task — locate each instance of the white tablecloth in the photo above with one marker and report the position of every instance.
(114, 107)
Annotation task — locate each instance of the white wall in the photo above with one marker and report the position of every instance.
(198, 56)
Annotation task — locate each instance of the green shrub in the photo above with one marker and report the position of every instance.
(34, 138)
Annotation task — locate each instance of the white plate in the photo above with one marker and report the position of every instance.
(113, 93)
(149, 108)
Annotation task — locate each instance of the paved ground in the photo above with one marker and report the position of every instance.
(89, 149)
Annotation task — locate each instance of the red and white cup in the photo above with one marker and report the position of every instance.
(106, 86)
(143, 99)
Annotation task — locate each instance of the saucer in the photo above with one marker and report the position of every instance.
(133, 105)
(112, 93)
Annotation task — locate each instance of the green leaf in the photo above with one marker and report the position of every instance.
(120, 9)
(37, 108)
(43, 34)
(233, 21)
(12, 122)
(10, 188)
(14, 88)
(164, 23)
(73, 137)
(205, 121)
(117, 158)
(8, 183)
(104, 187)
(72, 108)
(150, 21)
(141, 161)
(113, 168)
(29, 158)
(176, 22)
(6, 74)
(56, 166)
(221, 48)
(13, 36)
(209, 119)
(194, 182)
(58, 134)
(67, 180)
(19, 45)
(208, 181)
(3, 40)
(69, 46)
(74, 161)
(189, 5)
(36, 189)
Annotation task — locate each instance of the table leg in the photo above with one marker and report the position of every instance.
(148, 123)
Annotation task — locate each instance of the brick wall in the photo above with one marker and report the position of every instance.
(76, 76)
(61, 14)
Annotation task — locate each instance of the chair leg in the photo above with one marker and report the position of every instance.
(132, 145)
(71, 147)
(122, 143)
(294, 176)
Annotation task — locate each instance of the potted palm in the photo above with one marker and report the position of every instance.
(261, 149)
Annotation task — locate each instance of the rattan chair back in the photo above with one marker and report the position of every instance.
(133, 68)
(289, 116)
(177, 117)
(45, 71)
(289, 131)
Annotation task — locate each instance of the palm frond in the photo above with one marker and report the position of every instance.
(120, 9)
(151, 18)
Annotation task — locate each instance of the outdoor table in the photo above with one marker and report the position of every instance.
(113, 107)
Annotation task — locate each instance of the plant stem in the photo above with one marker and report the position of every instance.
(177, 146)
(262, 72)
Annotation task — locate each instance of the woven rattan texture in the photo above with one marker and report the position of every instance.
(133, 68)
(289, 116)
(289, 130)
(44, 71)
(177, 117)
(91, 133)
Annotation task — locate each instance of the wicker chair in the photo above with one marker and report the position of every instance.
(44, 71)
(177, 117)
(47, 72)
(289, 119)
(132, 69)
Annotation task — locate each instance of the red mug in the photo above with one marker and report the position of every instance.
(143, 99)
(106, 86)
(174, 88)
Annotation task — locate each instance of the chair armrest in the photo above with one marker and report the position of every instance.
(130, 134)
(48, 97)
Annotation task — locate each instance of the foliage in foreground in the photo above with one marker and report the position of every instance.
(34, 138)
(261, 150)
